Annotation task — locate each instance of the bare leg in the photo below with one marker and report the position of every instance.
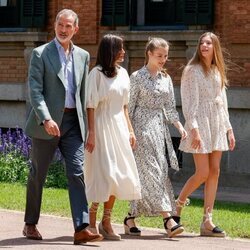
(211, 185)
(200, 176)
(207, 226)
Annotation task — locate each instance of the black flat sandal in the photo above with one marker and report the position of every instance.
(135, 231)
(177, 229)
(177, 219)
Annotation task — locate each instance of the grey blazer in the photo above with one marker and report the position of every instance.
(47, 91)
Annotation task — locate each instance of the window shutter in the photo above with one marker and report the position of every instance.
(107, 12)
(114, 13)
(9, 16)
(198, 12)
(33, 13)
(121, 12)
(205, 12)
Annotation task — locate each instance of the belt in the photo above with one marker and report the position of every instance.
(67, 110)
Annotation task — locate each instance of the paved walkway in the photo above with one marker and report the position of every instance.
(57, 234)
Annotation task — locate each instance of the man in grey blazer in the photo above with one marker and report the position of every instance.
(57, 88)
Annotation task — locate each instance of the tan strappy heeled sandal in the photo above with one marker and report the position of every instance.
(106, 235)
(93, 210)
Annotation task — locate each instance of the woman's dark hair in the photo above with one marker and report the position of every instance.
(108, 50)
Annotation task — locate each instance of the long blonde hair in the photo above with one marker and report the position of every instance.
(218, 59)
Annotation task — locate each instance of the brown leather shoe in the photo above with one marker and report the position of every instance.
(86, 236)
(31, 232)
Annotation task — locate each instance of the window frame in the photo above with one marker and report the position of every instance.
(128, 17)
(26, 13)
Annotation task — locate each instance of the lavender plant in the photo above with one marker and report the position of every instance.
(14, 155)
(15, 149)
(14, 142)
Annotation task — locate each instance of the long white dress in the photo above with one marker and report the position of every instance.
(204, 106)
(110, 169)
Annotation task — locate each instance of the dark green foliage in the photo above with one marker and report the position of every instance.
(56, 176)
(13, 168)
(15, 148)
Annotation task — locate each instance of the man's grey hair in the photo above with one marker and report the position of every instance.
(68, 12)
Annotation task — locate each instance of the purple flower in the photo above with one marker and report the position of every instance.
(17, 143)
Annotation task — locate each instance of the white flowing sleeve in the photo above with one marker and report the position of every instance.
(225, 106)
(92, 91)
(190, 96)
(127, 88)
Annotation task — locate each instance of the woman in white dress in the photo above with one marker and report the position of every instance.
(204, 105)
(110, 168)
(151, 109)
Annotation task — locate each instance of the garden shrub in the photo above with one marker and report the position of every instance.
(13, 168)
(56, 176)
(15, 148)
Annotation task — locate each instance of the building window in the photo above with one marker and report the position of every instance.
(22, 13)
(9, 14)
(115, 12)
(4, 3)
(162, 12)
(157, 13)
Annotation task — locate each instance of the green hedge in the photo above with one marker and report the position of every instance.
(15, 168)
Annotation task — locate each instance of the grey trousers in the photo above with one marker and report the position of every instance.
(71, 146)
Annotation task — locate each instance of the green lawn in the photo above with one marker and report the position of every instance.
(233, 217)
